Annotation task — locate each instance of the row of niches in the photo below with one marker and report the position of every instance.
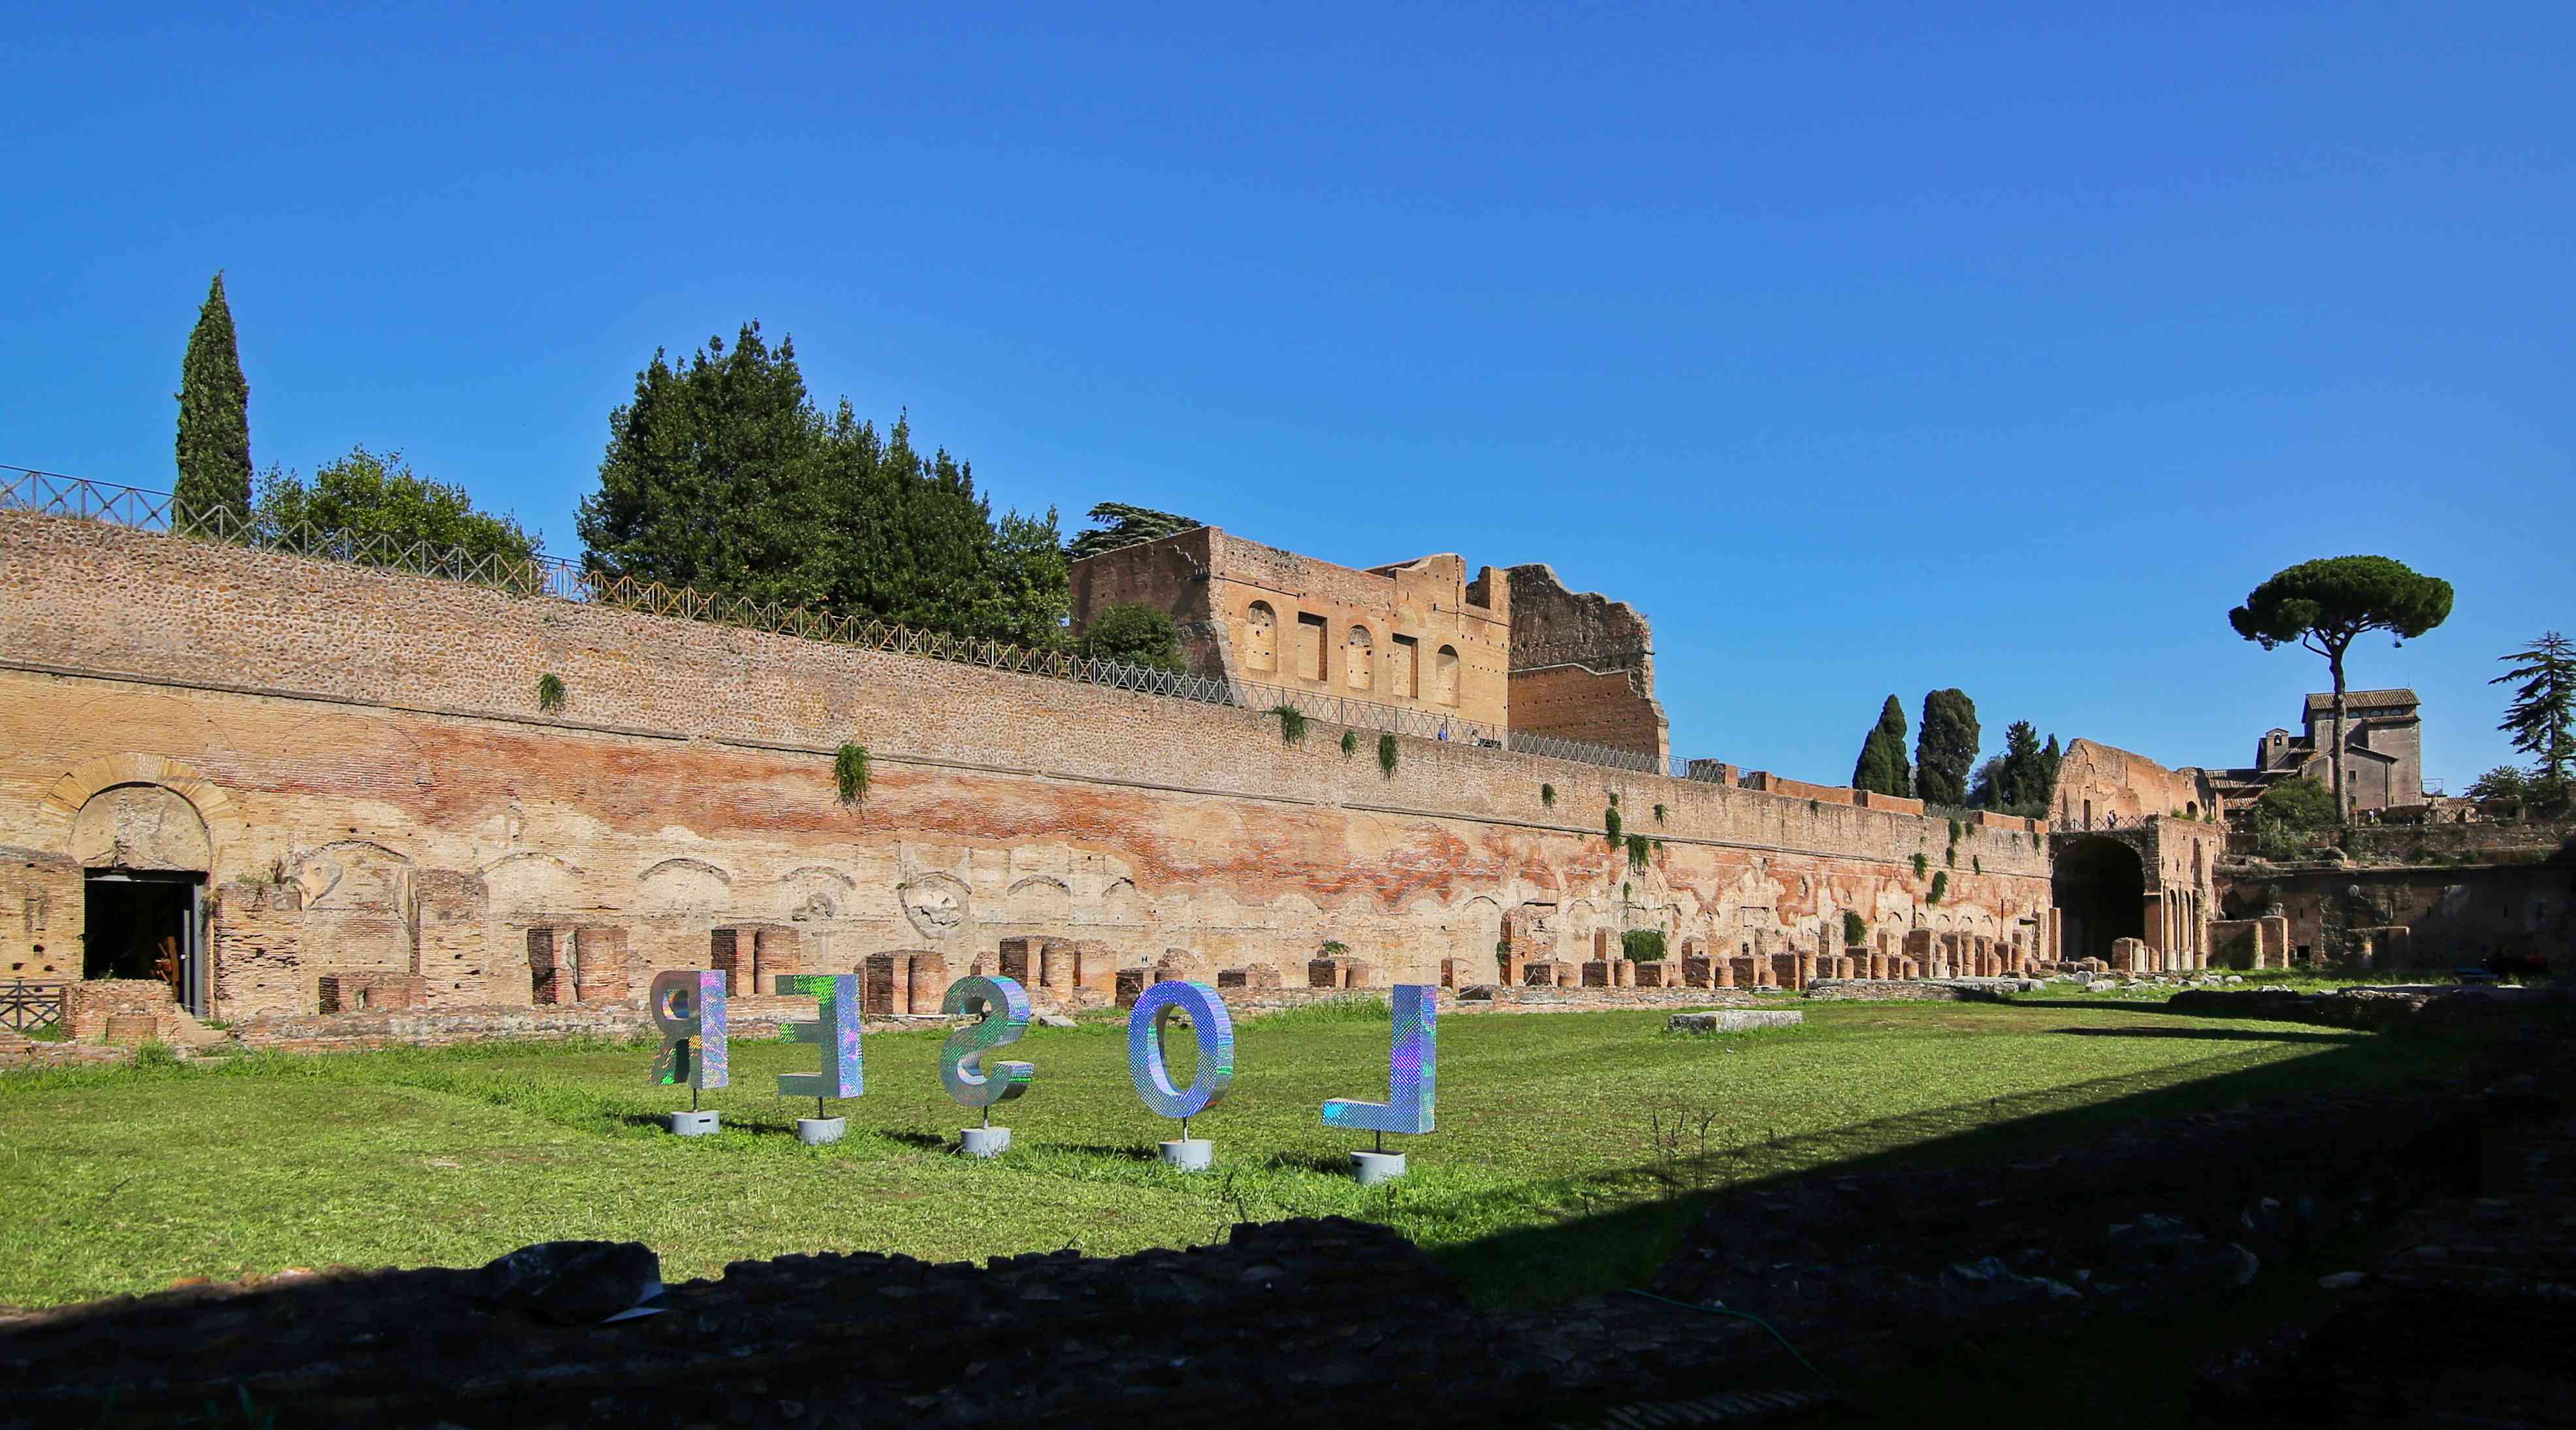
(1361, 667)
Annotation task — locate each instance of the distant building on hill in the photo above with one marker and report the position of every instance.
(2383, 752)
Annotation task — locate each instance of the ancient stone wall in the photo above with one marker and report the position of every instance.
(2103, 787)
(1583, 667)
(2452, 916)
(382, 795)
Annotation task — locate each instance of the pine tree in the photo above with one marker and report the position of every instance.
(1881, 768)
(2022, 782)
(213, 492)
(2542, 717)
(1116, 524)
(2327, 605)
(1946, 747)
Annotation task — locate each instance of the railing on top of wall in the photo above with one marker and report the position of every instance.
(54, 494)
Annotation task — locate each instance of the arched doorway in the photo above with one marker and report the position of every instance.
(144, 852)
(2100, 889)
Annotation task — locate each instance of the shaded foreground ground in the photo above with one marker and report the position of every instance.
(1545, 1179)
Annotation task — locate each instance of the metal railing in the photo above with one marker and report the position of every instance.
(30, 1007)
(54, 494)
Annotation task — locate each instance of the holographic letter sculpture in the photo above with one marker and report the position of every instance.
(1411, 1064)
(1005, 1006)
(1208, 1024)
(836, 1029)
(690, 1007)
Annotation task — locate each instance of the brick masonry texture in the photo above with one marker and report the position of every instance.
(379, 795)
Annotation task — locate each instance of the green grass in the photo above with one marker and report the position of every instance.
(1542, 1180)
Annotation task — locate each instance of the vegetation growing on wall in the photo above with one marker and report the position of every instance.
(1920, 864)
(1386, 753)
(1547, 795)
(1610, 823)
(1639, 851)
(1350, 743)
(1642, 945)
(1940, 888)
(850, 771)
(550, 692)
(1292, 723)
(1855, 930)
(1659, 814)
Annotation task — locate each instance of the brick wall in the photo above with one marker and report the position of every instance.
(398, 803)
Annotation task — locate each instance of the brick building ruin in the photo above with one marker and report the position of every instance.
(272, 786)
(2383, 752)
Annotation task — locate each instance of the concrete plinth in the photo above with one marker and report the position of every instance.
(816, 1131)
(1372, 1168)
(984, 1141)
(1189, 1154)
(690, 1124)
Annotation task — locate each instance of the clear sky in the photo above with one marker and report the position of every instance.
(1865, 347)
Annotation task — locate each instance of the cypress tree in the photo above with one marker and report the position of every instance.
(213, 492)
(1881, 768)
(1947, 746)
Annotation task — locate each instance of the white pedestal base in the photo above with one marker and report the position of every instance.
(1372, 1168)
(691, 1124)
(985, 1141)
(816, 1131)
(1189, 1154)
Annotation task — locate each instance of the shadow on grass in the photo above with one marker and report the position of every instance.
(2215, 1035)
(1593, 1251)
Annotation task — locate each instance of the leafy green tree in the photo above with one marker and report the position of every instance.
(1881, 768)
(2542, 717)
(380, 496)
(214, 424)
(1133, 633)
(2299, 804)
(2326, 605)
(1985, 787)
(1946, 747)
(1116, 524)
(2505, 787)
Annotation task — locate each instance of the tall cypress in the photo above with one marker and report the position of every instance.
(1945, 747)
(214, 424)
(1882, 768)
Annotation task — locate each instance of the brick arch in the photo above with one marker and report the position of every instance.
(84, 781)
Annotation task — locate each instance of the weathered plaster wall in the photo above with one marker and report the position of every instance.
(2102, 786)
(382, 795)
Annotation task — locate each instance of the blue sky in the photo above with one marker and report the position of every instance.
(1865, 347)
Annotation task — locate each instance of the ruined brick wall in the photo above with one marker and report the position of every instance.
(2456, 916)
(381, 794)
(1583, 667)
(40, 910)
(2102, 786)
(1417, 635)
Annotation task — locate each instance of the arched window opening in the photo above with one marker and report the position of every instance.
(1261, 638)
(1444, 688)
(1359, 668)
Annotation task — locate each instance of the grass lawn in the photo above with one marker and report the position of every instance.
(1542, 1181)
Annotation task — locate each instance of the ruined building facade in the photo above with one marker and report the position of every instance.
(2383, 752)
(284, 785)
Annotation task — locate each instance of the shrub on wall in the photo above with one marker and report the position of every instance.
(550, 692)
(1920, 864)
(1855, 932)
(1638, 851)
(1350, 743)
(1940, 886)
(850, 772)
(1547, 795)
(1642, 945)
(1386, 752)
(1659, 814)
(1292, 722)
(1610, 824)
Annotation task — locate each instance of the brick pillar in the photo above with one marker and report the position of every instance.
(928, 979)
(1604, 947)
(1623, 973)
(1132, 983)
(1020, 960)
(599, 964)
(1514, 967)
(1698, 971)
(776, 953)
(1724, 971)
(1918, 953)
(881, 994)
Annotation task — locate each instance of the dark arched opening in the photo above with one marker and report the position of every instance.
(2100, 889)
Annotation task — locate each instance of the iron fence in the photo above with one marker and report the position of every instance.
(541, 576)
(30, 1007)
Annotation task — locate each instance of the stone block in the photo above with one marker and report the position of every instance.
(1623, 972)
(1022, 960)
(1596, 973)
(1132, 983)
(1658, 973)
(2129, 955)
(1697, 971)
(1734, 1020)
